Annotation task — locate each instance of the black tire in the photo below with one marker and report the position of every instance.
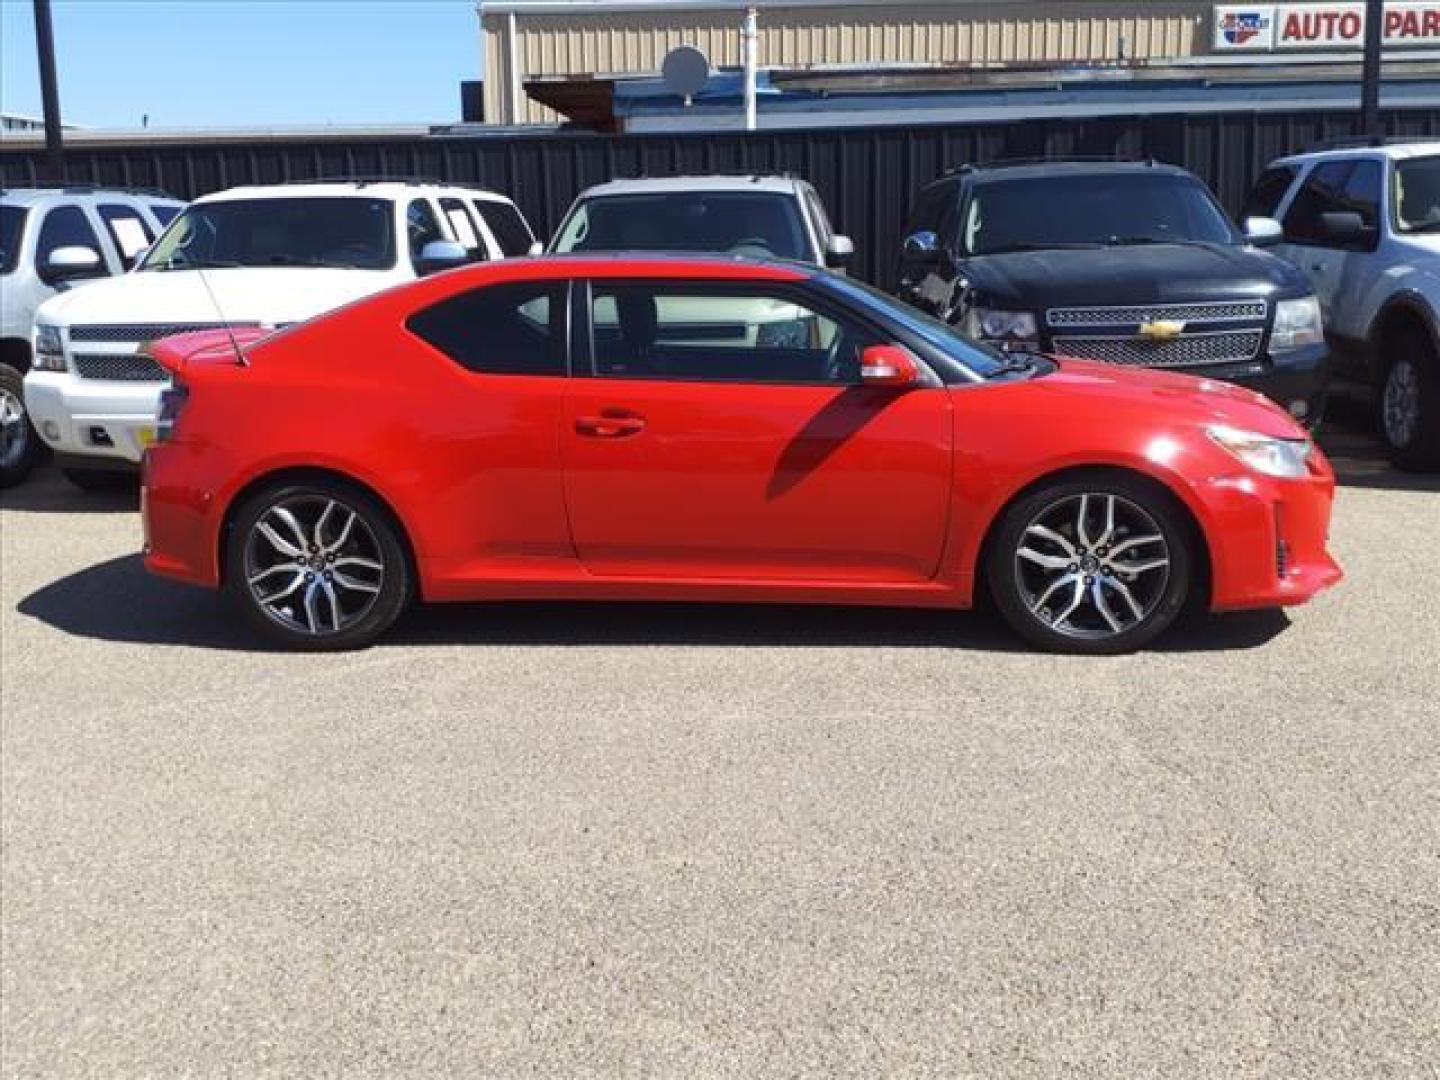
(1110, 625)
(20, 446)
(1409, 402)
(100, 480)
(374, 538)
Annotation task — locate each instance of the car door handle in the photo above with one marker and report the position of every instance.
(610, 424)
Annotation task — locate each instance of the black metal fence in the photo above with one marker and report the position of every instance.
(867, 176)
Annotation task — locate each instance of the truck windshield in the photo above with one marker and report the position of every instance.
(342, 232)
(12, 225)
(1417, 195)
(1076, 210)
(761, 224)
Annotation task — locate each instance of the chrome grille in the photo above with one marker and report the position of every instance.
(118, 367)
(142, 331)
(1191, 350)
(1244, 311)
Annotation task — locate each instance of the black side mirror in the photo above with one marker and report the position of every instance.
(71, 264)
(1344, 227)
(922, 248)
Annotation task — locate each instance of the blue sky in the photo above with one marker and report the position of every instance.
(190, 63)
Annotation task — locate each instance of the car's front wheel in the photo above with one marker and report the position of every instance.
(317, 565)
(19, 445)
(1410, 403)
(1097, 565)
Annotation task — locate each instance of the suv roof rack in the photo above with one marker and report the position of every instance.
(80, 187)
(1060, 159)
(372, 178)
(1359, 142)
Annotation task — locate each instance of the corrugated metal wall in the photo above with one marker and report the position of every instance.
(867, 176)
(874, 34)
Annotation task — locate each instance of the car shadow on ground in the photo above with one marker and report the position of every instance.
(47, 492)
(118, 601)
(1350, 442)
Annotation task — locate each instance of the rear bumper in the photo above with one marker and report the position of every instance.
(88, 418)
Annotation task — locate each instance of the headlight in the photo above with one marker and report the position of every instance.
(1015, 327)
(49, 353)
(1297, 323)
(1285, 458)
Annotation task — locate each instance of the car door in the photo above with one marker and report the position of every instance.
(719, 432)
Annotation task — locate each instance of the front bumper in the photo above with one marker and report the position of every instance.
(88, 418)
(1299, 381)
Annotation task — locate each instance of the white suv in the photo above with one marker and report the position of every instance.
(251, 256)
(50, 240)
(1364, 223)
(771, 217)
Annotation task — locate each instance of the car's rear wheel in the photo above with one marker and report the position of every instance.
(1099, 565)
(1410, 402)
(19, 445)
(317, 565)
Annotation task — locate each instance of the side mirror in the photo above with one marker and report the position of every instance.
(922, 248)
(1343, 226)
(440, 255)
(1263, 231)
(70, 263)
(536, 248)
(839, 252)
(889, 365)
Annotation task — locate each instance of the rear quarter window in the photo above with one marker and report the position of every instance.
(514, 329)
(507, 226)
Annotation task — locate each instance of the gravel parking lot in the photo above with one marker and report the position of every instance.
(572, 841)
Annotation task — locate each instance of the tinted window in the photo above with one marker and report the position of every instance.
(1362, 192)
(720, 333)
(1265, 197)
(353, 232)
(1091, 209)
(463, 226)
(12, 229)
(507, 226)
(744, 223)
(1320, 195)
(65, 226)
(1417, 195)
(421, 226)
(128, 229)
(931, 207)
(502, 330)
(164, 212)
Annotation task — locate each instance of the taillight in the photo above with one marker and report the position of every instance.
(172, 400)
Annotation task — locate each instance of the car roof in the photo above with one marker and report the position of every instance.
(660, 185)
(335, 189)
(1393, 151)
(661, 264)
(35, 196)
(1000, 170)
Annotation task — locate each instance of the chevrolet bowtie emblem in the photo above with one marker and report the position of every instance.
(1162, 330)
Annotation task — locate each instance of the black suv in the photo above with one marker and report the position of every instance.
(1124, 262)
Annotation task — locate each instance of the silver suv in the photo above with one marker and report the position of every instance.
(1363, 222)
(50, 240)
(769, 217)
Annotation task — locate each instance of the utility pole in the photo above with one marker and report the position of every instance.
(749, 54)
(1370, 75)
(49, 92)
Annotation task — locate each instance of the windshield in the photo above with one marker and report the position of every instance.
(1417, 195)
(348, 232)
(981, 359)
(12, 225)
(1070, 210)
(760, 224)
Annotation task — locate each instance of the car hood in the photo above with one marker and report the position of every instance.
(1105, 389)
(271, 295)
(1140, 274)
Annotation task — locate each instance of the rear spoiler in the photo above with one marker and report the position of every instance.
(217, 346)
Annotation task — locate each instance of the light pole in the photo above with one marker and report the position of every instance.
(749, 55)
(49, 92)
(1370, 74)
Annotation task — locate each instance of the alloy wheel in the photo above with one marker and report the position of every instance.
(1092, 566)
(313, 564)
(14, 430)
(1402, 403)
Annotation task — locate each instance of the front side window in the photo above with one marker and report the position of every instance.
(165, 212)
(718, 332)
(12, 231)
(507, 226)
(515, 329)
(1265, 197)
(65, 226)
(421, 226)
(762, 224)
(128, 229)
(342, 232)
(1320, 195)
(1417, 195)
(1092, 210)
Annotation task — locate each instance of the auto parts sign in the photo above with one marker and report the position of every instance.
(1267, 27)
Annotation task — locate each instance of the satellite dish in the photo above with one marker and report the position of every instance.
(685, 71)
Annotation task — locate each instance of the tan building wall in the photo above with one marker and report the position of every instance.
(612, 39)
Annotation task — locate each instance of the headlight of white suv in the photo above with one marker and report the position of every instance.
(1003, 327)
(1285, 458)
(1297, 323)
(49, 353)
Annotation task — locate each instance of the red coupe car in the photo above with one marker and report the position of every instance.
(689, 428)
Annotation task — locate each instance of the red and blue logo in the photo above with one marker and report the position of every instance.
(1239, 27)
